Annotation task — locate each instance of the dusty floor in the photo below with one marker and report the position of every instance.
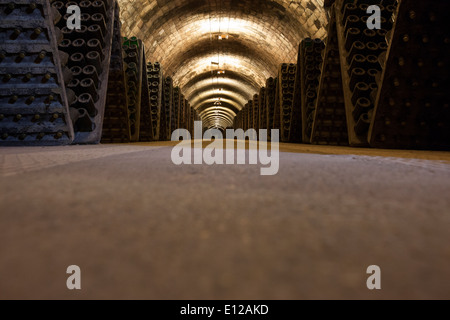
(141, 227)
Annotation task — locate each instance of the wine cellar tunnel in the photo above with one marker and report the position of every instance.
(87, 174)
(246, 40)
(135, 71)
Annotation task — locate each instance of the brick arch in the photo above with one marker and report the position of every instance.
(183, 35)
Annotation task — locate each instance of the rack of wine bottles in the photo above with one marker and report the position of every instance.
(296, 116)
(412, 103)
(194, 117)
(116, 123)
(239, 120)
(190, 116)
(182, 117)
(133, 76)
(285, 104)
(182, 114)
(34, 74)
(329, 118)
(155, 82)
(309, 63)
(270, 103)
(175, 124)
(262, 123)
(166, 109)
(256, 111)
(395, 78)
(89, 50)
(249, 109)
(145, 114)
(366, 85)
(360, 48)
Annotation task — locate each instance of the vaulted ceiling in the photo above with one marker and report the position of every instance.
(222, 49)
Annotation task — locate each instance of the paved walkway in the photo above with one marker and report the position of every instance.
(141, 227)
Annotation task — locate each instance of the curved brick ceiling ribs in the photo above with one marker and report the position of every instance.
(184, 36)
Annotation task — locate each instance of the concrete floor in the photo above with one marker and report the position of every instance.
(142, 228)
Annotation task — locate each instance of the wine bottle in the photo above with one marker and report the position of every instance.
(88, 86)
(86, 6)
(98, 19)
(95, 45)
(40, 57)
(16, 33)
(99, 7)
(90, 72)
(361, 90)
(22, 54)
(27, 77)
(362, 106)
(77, 59)
(93, 58)
(363, 124)
(86, 102)
(30, 100)
(31, 7)
(47, 76)
(54, 117)
(36, 33)
(79, 45)
(13, 99)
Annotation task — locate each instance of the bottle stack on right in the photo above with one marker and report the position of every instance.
(395, 78)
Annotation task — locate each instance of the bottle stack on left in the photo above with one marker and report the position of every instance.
(33, 100)
(53, 79)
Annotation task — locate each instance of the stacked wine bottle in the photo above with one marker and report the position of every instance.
(329, 124)
(412, 103)
(262, 123)
(166, 110)
(256, 111)
(310, 68)
(175, 124)
(33, 75)
(154, 74)
(285, 100)
(270, 103)
(89, 49)
(360, 48)
(116, 124)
